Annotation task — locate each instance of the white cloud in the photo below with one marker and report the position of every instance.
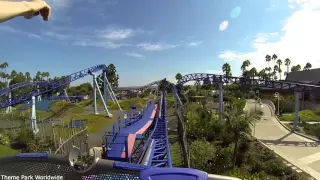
(214, 71)
(156, 47)
(224, 25)
(195, 44)
(298, 41)
(104, 44)
(10, 29)
(117, 34)
(56, 35)
(136, 55)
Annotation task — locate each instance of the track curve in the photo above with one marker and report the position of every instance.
(5, 91)
(52, 85)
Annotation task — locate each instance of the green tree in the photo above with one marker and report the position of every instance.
(238, 123)
(253, 73)
(268, 59)
(287, 62)
(308, 66)
(178, 76)
(279, 63)
(112, 75)
(226, 68)
(296, 68)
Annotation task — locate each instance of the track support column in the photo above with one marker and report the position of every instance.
(106, 92)
(9, 108)
(296, 109)
(34, 127)
(94, 89)
(38, 90)
(220, 101)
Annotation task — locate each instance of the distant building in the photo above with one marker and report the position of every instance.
(311, 76)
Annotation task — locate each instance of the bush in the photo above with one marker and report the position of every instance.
(4, 139)
(201, 152)
(305, 115)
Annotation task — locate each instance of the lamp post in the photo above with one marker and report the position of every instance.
(277, 95)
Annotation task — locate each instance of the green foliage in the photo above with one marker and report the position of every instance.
(311, 129)
(317, 110)
(4, 139)
(234, 151)
(305, 116)
(81, 90)
(201, 152)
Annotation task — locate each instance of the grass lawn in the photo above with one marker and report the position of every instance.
(126, 103)
(6, 151)
(96, 122)
(305, 116)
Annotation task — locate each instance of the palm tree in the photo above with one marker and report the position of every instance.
(276, 69)
(308, 66)
(287, 62)
(47, 75)
(238, 124)
(244, 67)
(253, 73)
(268, 59)
(279, 63)
(226, 68)
(274, 58)
(28, 76)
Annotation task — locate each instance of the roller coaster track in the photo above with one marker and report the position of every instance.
(160, 150)
(52, 85)
(261, 83)
(5, 91)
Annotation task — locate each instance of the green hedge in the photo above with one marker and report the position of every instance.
(305, 115)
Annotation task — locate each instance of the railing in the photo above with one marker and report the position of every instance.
(182, 129)
(271, 105)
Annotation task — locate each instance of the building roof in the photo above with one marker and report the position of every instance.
(311, 76)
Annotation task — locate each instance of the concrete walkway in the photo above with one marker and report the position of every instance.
(299, 151)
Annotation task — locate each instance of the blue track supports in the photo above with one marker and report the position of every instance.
(160, 153)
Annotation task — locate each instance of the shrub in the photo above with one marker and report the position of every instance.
(4, 139)
(201, 152)
(307, 115)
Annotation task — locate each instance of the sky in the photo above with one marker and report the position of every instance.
(148, 40)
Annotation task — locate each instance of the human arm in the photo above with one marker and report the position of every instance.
(9, 10)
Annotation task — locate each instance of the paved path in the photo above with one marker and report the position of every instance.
(299, 151)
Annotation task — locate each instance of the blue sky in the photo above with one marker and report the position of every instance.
(149, 40)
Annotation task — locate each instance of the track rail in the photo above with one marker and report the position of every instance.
(52, 85)
(5, 91)
(285, 85)
(160, 150)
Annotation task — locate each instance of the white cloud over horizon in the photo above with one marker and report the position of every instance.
(135, 55)
(297, 40)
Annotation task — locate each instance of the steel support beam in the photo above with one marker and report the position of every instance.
(296, 109)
